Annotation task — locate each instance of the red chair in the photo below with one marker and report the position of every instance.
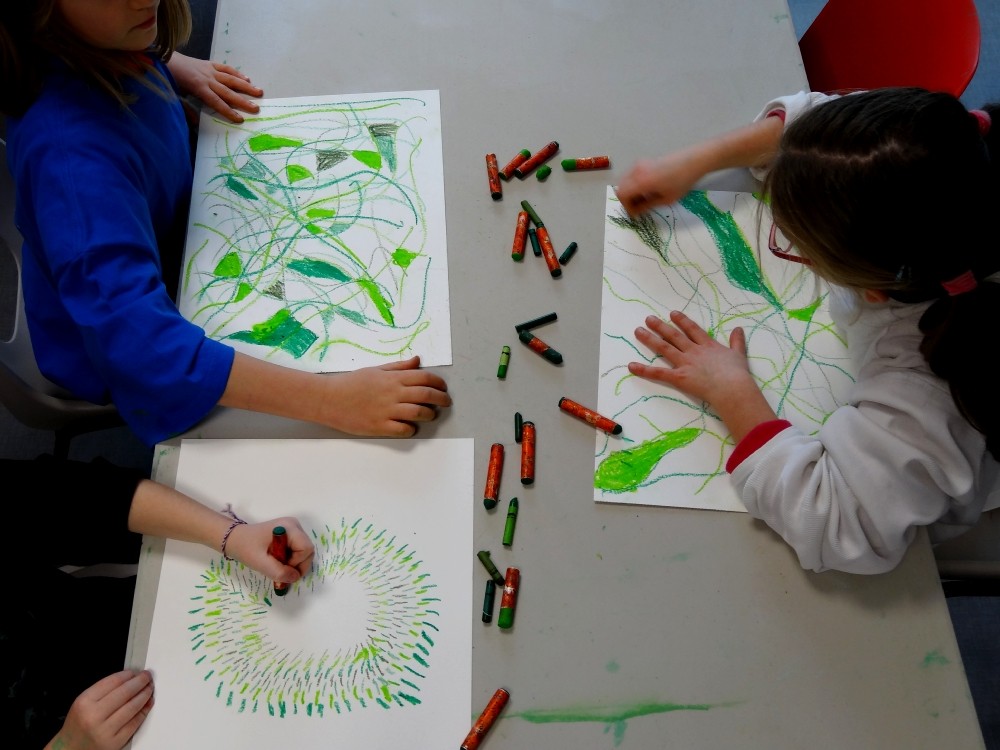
(866, 44)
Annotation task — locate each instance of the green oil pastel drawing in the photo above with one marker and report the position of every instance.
(316, 235)
(710, 257)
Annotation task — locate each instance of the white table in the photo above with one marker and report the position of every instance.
(638, 627)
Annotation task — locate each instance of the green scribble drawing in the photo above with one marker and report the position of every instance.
(708, 257)
(317, 233)
(615, 718)
(234, 644)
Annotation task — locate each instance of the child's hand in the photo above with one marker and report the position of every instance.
(218, 86)
(658, 182)
(387, 400)
(107, 714)
(249, 543)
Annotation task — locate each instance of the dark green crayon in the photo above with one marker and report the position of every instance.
(543, 173)
(518, 426)
(488, 599)
(540, 347)
(535, 322)
(535, 247)
(567, 254)
(532, 214)
(504, 361)
(508, 527)
(484, 558)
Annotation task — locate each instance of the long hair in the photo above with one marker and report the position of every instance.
(894, 190)
(32, 33)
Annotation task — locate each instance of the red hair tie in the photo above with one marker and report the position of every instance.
(983, 121)
(961, 284)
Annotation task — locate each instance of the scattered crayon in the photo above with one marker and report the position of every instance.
(487, 561)
(535, 247)
(504, 361)
(488, 599)
(535, 322)
(520, 236)
(536, 159)
(486, 720)
(518, 426)
(528, 453)
(493, 471)
(519, 158)
(549, 252)
(496, 192)
(508, 601)
(508, 527)
(567, 254)
(590, 162)
(543, 173)
(589, 416)
(535, 218)
(540, 347)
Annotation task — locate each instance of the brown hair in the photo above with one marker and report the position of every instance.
(33, 32)
(894, 190)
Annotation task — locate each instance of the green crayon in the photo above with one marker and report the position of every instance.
(484, 558)
(504, 361)
(508, 527)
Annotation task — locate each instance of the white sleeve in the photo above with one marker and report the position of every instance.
(851, 497)
(792, 105)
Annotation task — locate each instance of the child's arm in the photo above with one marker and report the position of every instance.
(662, 181)
(163, 511)
(107, 714)
(217, 85)
(374, 401)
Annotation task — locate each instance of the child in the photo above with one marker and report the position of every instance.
(67, 633)
(889, 195)
(98, 147)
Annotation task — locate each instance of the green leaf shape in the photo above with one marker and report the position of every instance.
(296, 172)
(269, 142)
(371, 159)
(321, 213)
(738, 259)
(403, 257)
(625, 471)
(352, 315)
(281, 330)
(242, 290)
(230, 267)
(318, 269)
(383, 306)
(240, 189)
(805, 314)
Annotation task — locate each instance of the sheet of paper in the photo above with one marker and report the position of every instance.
(372, 649)
(707, 256)
(316, 236)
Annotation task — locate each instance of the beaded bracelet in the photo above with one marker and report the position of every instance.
(237, 521)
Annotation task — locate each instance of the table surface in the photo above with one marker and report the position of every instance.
(636, 626)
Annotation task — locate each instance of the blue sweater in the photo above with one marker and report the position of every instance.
(101, 200)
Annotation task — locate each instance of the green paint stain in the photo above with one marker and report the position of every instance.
(318, 269)
(268, 142)
(625, 471)
(805, 314)
(403, 257)
(369, 158)
(738, 259)
(281, 330)
(612, 666)
(229, 267)
(242, 290)
(934, 658)
(296, 172)
(381, 304)
(240, 189)
(320, 213)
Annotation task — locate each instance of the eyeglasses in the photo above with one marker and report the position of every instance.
(772, 245)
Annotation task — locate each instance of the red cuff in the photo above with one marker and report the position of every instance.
(754, 440)
(779, 113)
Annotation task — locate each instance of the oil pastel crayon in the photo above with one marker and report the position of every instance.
(535, 218)
(567, 254)
(508, 601)
(504, 361)
(540, 347)
(508, 527)
(543, 173)
(518, 426)
(535, 322)
(487, 561)
(535, 247)
(493, 471)
(589, 162)
(493, 173)
(548, 252)
(278, 549)
(534, 161)
(486, 720)
(488, 598)
(589, 416)
(528, 453)
(519, 158)
(520, 236)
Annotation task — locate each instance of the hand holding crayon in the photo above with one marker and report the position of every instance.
(251, 544)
